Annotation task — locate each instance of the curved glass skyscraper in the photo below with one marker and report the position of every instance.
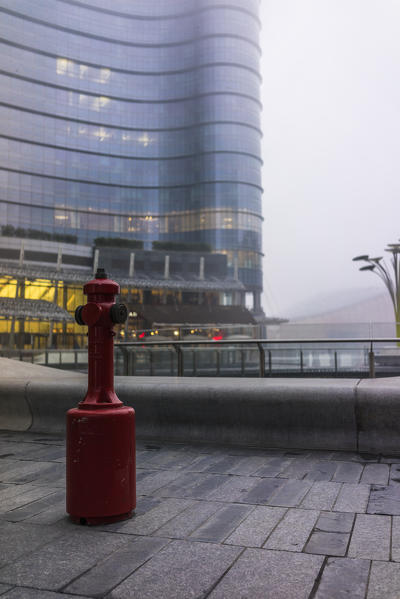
(136, 119)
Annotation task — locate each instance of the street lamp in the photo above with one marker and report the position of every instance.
(390, 275)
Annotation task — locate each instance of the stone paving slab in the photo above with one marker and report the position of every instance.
(257, 526)
(321, 496)
(186, 522)
(331, 534)
(222, 523)
(291, 493)
(211, 522)
(20, 538)
(344, 578)
(35, 508)
(181, 570)
(348, 472)
(385, 499)
(322, 470)
(371, 537)
(396, 539)
(274, 466)
(270, 575)
(292, 532)
(352, 498)
(25, 593)
(384, 581)
(236, 488)
(376, 474)
(59, 562)
(108, 573)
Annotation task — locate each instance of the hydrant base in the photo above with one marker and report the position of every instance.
(95, 521)
(101, 464)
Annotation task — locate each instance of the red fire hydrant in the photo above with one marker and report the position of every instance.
(101, 483)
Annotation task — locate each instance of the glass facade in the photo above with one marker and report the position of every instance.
(138, 119)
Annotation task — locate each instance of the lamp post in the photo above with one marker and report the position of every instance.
(390, 275)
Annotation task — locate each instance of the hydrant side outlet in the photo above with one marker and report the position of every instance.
(101, 470)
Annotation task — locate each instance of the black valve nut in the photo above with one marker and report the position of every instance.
(118, 313)
(78, 315)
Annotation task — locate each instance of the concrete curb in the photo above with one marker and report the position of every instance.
(343, 414)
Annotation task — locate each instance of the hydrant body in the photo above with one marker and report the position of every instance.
(101, 477)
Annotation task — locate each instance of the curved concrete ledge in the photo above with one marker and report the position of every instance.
(378, 415)
(344, 414)
(25, 401)
(264, 413)
(15, 414)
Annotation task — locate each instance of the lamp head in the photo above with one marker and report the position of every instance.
(369, 267)
(363, 257)
(394, 248)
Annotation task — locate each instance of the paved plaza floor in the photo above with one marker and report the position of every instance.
(213, 522)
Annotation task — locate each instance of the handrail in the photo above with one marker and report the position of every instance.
(177, 346)
(258, 341)
(265, 349)
(212, 342)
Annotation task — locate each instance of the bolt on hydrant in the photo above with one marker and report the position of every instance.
(101, 484)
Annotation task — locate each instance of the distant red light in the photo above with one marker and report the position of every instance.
(142, 335)
(217, 338)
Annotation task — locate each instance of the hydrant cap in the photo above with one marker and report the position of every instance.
(101, 284)
(101, 274)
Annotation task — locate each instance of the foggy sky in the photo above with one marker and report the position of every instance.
(331, 147)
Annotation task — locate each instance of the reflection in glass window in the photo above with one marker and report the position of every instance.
(83, 69)
(100, 102)
(61, 66)
(104, 75)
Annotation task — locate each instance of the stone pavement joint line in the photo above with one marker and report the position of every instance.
(211, 522)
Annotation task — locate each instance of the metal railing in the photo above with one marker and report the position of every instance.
(239, 357)
(74, 359)
(267, 362)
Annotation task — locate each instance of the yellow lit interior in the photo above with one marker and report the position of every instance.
(67, 296)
